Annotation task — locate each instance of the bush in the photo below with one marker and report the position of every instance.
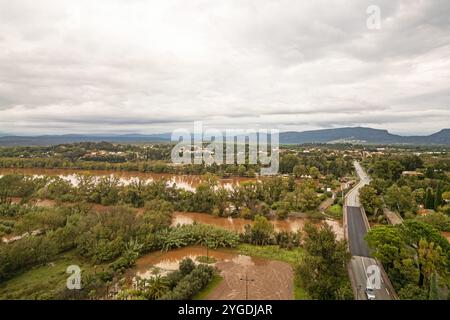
(437, 219)
(186, 266)
(196, 234)
(288, 240)
(191, 284)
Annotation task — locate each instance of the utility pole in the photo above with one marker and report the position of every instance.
(247, 280)
(207, 249)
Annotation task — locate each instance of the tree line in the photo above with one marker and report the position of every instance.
(277, 195)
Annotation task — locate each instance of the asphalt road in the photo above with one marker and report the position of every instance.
(352, 197)
(356, 226)
(356, 232)
(358, 267)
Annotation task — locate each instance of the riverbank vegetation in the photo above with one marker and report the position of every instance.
(276, 196)
(113, 239)
(107, 243)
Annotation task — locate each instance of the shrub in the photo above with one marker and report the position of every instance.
(191, 284)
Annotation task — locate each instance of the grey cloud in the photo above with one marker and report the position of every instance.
(144, 66)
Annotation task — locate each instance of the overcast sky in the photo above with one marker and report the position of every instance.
(106, 66)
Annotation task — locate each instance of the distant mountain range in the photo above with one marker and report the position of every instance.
(47, 140)
(360, 135)
(354, 135)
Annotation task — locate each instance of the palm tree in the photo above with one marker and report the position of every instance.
(156, 287)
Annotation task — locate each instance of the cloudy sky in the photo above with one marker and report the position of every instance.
(110, 66)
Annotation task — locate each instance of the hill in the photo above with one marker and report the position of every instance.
(354, 135)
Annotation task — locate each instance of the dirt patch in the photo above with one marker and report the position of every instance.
(337, 228)
(258, 279)
(326, 204)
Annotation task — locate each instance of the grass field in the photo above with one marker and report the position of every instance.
(272, 252)
(42, 282)
(202, 295)
(335, 211)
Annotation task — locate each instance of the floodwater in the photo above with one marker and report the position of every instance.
(292, 224)
(187, 182)
(268, 280)
(235, 224)
(162, 262)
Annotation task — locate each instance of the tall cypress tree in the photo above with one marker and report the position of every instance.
(438, 198)
(434, 293)
(429, 199)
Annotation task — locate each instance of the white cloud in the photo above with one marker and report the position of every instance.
(152, 66)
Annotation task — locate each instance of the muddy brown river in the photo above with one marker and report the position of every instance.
(235, 224)
(187, 182)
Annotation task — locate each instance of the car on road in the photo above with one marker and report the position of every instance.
(370, 293)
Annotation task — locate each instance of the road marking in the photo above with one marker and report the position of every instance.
(387, 291)
(364, 266)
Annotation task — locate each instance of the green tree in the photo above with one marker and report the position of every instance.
(288, 162)
(388, 169)
(300, 170)
(283, 208)
(419, 195)
(446, 196)
(370, 200)
(434, 293)
(156, 288)
(412, 292)
(261, 231)
(386, 243)
(322, 270)
(431, 260)
(314, 172)
(400, 199)
(429, 199)
(438, 201)
(186, 266)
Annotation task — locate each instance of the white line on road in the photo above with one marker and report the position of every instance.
(364, 266)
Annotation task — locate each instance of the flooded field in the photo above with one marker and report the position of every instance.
(269, 279)
(238, 224)
(292, 224)
(234, 224)
(187, 182)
